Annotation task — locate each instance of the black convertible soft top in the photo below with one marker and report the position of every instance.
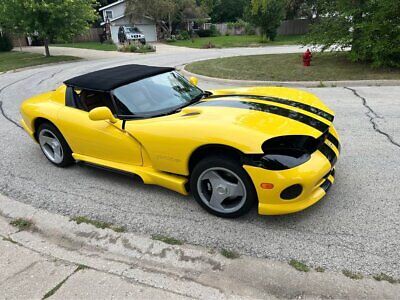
(109, 79)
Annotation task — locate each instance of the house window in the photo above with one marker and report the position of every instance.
(109, 14)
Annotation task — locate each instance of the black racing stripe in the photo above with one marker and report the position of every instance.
(272, 109)
(329, 153)
(334, 141)
(326, 185)
(293, 103)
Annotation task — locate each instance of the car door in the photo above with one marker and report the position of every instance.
(98, 139)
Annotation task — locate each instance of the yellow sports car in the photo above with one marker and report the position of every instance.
(230, 148)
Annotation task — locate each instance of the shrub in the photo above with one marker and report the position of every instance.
(5, 43)
(214, 30)
(267, 17)
(184, 35)
(249, 29)
(171, 39)
(137, 48)
(204, 33)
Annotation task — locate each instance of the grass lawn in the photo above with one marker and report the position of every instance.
(15, 60)
(89, 45)
(289, 67)
(224, 41)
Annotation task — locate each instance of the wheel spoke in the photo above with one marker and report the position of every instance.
(47, 140)
(217, 199)
(214, 178)
(235, 190)
(57, 152)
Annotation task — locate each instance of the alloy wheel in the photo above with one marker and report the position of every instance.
(221, 190)
(51, 146)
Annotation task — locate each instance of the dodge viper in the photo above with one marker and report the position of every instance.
(232, 148)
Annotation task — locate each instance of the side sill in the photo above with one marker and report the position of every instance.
(147, 174)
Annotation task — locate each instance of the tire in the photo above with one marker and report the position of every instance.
(54, 146)
(219, 178)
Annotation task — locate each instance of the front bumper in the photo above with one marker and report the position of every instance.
(141, 40)
(315, 176)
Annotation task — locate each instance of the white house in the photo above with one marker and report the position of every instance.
(115, 13)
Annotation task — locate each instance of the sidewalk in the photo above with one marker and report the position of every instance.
(59, 259)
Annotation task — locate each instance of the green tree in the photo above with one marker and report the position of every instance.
(301, 8)
(12, 18)
(47, 19)
(267, 15)
(293, 9)
(225, 10)
(371, 29)
(163, 12)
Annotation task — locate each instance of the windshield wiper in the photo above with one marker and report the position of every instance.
(194, 100)
(199, 97)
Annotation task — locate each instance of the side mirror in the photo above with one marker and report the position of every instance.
(194, 81)
(102, 114)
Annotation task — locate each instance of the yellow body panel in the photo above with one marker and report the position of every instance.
(159, 149)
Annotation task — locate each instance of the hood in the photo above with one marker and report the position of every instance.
(295, 95)
(250, 120)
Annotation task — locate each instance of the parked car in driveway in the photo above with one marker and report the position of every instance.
(128, 34)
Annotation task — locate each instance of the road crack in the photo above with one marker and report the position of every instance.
(7, 117)
(372, 116)
(50, 77)
(1, 102)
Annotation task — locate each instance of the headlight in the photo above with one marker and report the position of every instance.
(286, 152)
(283, 159)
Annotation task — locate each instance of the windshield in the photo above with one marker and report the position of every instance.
(157, 95)
(132, 30)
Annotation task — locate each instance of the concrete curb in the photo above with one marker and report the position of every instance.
(306, 84)
(187, 271)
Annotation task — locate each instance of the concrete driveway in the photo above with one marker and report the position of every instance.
(355, 227)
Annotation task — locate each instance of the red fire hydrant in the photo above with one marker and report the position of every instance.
(307, 58)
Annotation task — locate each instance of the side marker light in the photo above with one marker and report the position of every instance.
(267, 186)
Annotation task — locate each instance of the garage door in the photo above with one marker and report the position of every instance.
(114, 34)
(149, 32)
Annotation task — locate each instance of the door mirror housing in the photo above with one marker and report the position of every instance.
(194, 81)
(102, 114)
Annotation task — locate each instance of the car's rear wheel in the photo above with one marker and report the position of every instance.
(54, 146)
(222, 187)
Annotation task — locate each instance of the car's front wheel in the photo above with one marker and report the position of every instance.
(54, 146)
(222, 187)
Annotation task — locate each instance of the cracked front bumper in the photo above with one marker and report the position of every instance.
(315, 176)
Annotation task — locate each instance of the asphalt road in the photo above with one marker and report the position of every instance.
(355, 227)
